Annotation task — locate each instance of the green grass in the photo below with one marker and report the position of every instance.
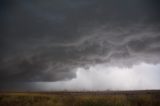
(46, 99)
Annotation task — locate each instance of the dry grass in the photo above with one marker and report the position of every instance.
(84, 99)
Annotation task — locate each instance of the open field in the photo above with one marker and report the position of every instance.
(108, 98)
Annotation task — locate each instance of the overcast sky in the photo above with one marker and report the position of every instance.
(79, 44)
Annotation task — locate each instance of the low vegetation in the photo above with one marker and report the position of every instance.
(80, 99)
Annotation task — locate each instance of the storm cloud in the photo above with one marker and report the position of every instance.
(43, 41)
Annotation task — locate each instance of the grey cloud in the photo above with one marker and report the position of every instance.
(46, 40)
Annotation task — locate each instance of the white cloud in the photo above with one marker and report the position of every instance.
(102, 77)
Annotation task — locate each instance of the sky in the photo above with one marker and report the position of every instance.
(79, 44)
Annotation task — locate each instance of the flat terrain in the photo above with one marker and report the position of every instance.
(107, 98)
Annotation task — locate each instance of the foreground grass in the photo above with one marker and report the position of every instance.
(51, 99)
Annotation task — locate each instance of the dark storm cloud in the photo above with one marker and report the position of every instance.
(45, 40)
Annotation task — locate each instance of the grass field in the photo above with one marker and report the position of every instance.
(118, 98)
